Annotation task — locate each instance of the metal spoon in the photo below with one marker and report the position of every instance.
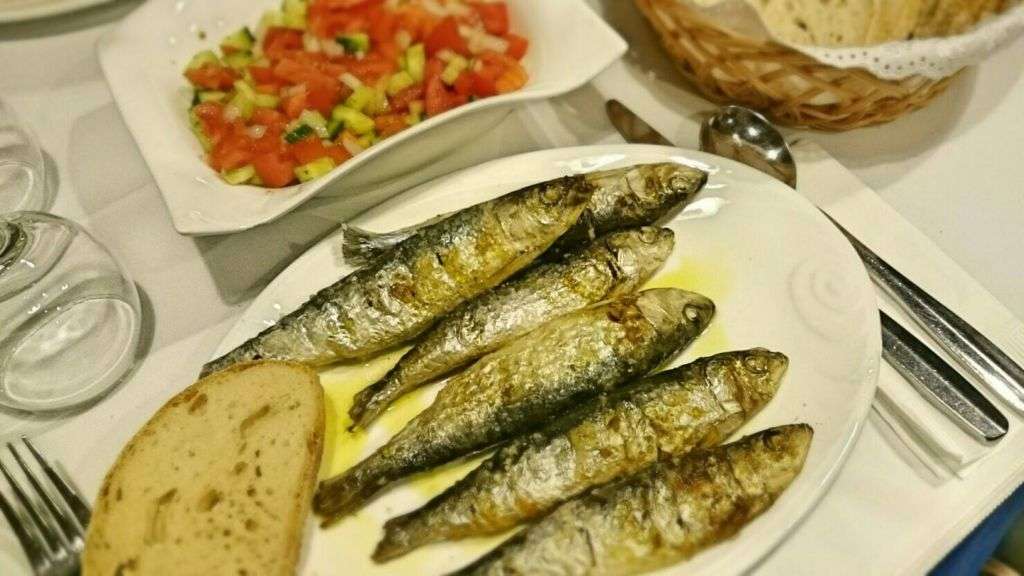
(746, 136)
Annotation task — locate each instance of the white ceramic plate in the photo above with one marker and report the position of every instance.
(782, 278)
(144, 56)
(20, 10)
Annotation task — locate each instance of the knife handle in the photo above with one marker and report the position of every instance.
(940, 384)
(970, 348)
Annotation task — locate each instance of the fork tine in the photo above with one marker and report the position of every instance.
(69, 528)
(67, 492)
(45, 530)
(36, 555)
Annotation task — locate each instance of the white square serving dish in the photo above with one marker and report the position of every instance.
(144, 56)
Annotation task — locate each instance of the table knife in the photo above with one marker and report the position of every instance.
(930, 375)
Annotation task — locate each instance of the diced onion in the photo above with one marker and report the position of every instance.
(445, 55)
(290, 91)
(434, 7)
(332, 48)
(404, 39)
(232, 113)
(351, 144)
(310, 43)
(256, 131)
(349, 80)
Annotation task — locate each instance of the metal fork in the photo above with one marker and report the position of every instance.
(52, 533)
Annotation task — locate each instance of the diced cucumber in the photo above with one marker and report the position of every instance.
(455, 67)
(242, 87)
(399, 82)
(360, 97)
(240, 41)
(316, 121)
(367, 140)
(239, 175)
(256, 180)
(294, 13)
(238, 60)
(416, 107)
(416, 61)
(334, 128)
(379, 104)
(197, 129)
(300, 132)
(266, 101)
(354, 120)
(204, 58)
(245, 105)
(355, 43)
(314, 169)
(271, 19)
(209, 96)
(415, 115)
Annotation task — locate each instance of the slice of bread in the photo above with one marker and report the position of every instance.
(218, 482)
(817, 22)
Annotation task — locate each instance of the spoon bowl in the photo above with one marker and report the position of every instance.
(743, 135)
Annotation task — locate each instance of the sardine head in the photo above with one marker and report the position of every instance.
(639, 252)
(668, 184)
(772, 458)
(675, 311)
(755, 374)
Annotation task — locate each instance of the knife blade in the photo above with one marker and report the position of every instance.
(930, 375)
(940, 384)
(632, 127)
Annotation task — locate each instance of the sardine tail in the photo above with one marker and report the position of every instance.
(370, 402)
(342, 495)
(400, 538)
(241, 354)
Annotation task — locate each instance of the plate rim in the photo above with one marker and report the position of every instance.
(125, 92)
(47, 9)
(859, 410)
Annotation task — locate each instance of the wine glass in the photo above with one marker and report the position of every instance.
(22, 169)
(69, 314)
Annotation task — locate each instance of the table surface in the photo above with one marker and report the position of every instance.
(950, 170)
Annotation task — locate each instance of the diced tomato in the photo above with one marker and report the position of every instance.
(263, 74)
(383, 26)
(439, 99)
(275, 170)
(390, 124)
(337, 153)
(209, 111)
(232, 152)
(446, 36)
(294, 104)
(371, 68)
(279, 41)
(517, 46)
(464, 83)
(416, 21)
(494, 16)
(211, 77)
(433, 70)
(400, 101)
(323, 95)
(512, 79)
(268, 117)
(309, 149)
(483, 86)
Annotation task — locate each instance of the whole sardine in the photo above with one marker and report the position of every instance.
(613, 436)
(614, 265)
(623, 198)
(400, 296)
(663, 515)
(525, 384)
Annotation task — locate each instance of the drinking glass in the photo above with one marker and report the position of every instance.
(22, 169)
(69, 314)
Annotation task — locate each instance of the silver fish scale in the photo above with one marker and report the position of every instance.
(403, 292)
(526, 384)
(671, 413)
(660, 516)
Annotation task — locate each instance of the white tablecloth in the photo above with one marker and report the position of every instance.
(951, 170)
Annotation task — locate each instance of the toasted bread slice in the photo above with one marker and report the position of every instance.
(219, 481)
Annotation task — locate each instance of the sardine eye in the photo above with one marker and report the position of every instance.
(757, 364)
(678, 183)
(692, 312)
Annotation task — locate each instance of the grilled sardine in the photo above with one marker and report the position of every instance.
(613, 436)
(623, 198)
(663, 515)
(525, 384)
(403, 294)
(611, 266)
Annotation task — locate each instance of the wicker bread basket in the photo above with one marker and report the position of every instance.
(790, 87)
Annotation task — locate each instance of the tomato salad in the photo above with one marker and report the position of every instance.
(322, 81)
